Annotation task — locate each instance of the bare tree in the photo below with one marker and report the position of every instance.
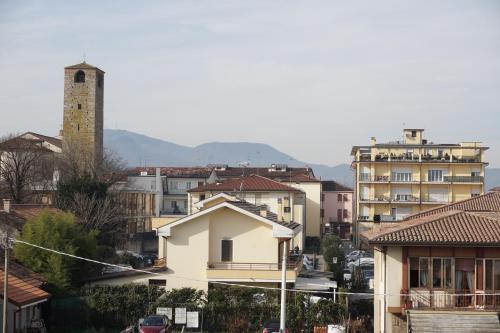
(25, 166)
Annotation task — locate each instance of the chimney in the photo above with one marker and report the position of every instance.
(373, 141)
(263, 211)
(6, 205)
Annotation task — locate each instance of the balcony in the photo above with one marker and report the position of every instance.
(464, 179)
(253, 271)
(436, 299)
(399, 198)
(416, 158)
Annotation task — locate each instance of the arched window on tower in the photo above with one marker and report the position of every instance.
(80, 77)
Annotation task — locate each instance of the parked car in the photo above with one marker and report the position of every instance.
(114, 269)
(272, 326)
(156, 324)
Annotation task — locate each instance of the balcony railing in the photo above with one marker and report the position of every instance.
(463, 179)
(250, 266)
(399, 198)
(423, 158)
(449, 299)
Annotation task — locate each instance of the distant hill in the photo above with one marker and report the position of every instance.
(137, 150)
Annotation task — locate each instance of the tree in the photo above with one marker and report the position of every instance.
(25, 165)
(57, 231)
(331, 248)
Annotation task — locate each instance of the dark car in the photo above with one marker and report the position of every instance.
(272, 326)
(156, 324)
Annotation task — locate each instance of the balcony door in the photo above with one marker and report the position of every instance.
(464, 281)
(226, 250)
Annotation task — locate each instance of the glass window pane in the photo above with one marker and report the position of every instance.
(424, 273)
(497, 275)
(447, 273)
(413, 272)
(479, 274)
(488, 275)
(436, 273)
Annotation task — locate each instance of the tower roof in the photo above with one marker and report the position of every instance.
(83, 65)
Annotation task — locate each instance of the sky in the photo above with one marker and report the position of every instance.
(310, 78)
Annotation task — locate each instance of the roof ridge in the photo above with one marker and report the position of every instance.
(478, 214)
(417, 223)
(274, 181)
(416, 215)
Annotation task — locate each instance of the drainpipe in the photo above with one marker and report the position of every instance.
(382, 293)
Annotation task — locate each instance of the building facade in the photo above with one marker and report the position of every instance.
(439, 269)
(397, 179)
(336, 209)
(84, 111)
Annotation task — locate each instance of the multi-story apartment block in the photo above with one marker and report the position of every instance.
(336, 209)
(397, 179)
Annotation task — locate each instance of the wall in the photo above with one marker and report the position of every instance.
(252, 239)
(313, 206)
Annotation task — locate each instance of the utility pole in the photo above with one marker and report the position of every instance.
(283, 291)
(6, 246)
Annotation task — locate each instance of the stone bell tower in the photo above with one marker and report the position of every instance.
(83, 111)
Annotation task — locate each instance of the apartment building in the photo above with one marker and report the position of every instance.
(404, 177)
(336, 209)
(439, 269)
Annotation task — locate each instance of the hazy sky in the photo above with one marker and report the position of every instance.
(311, 78)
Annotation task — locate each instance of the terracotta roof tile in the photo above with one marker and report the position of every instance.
(20, 213)
(488, 202)
(333, 186)
(21, 292)
(176, 172)
(450, 227)
(252, 183)
(290, 172)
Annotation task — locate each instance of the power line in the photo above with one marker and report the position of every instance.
(229, 283)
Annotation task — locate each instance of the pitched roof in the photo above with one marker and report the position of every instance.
(21, 292)
(20, 213)
(497, 188)
(333, 186)
(301, 178)
(252, 183)
(256, 211)
(446, 228)
(176, 172)
(268, 172)
(82, 65)
(23, 273)
(19, 143)
(488, 202)
(50, 139)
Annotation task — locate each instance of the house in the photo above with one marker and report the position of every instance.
(336, 209)
(401, 178)
(439, 268)
(25, 297)
(227, 240)
(287, 202)
(276, 171)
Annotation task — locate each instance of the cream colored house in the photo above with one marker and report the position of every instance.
(400, 178)
(287, 202)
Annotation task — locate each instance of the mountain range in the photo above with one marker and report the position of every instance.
(141, 150)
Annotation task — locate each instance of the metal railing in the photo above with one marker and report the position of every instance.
(449, 299)
(423, 158)
(229, 265)
(463, 179)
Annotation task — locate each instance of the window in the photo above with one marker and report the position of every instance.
(202, 197)
(345, 197)
(100, 80)
(79, 106)
(174, 185)
(200, 184)
(173, 204)
(346, 213)
(401, 176)
(339, 215)
(435, 175)
(424, 273)
(79, 77)
(413, 134)
(258, 199)
(413, 272)
(227, 250)
(339, 197)
(322, 196)
(188, 185)
(78, 127)
(437, 281)
(321, 212)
